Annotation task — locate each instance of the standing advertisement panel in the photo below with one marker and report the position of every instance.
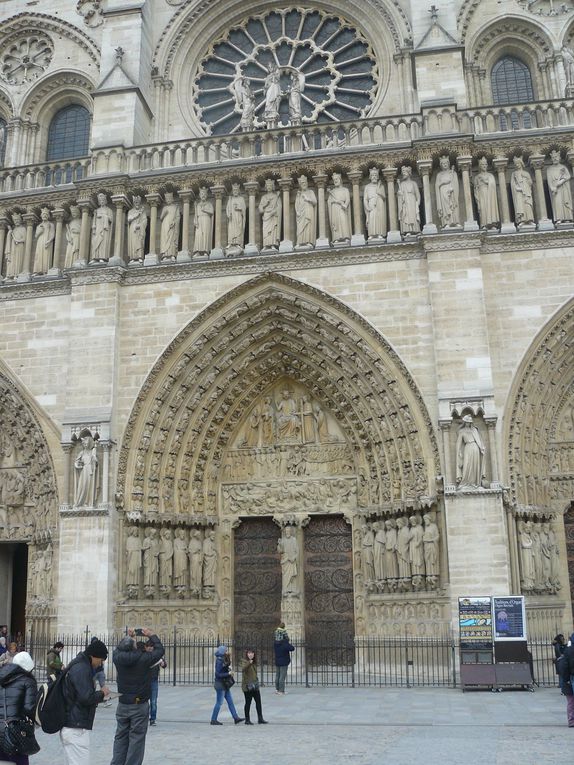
(509, 618)
(475, 623)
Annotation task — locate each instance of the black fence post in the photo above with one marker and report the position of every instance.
(453, 662)
(174, 675)
(87, 634)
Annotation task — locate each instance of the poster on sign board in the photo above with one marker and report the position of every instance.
(509, 618)
(475, 623)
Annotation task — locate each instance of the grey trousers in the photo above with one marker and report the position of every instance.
(129, 743)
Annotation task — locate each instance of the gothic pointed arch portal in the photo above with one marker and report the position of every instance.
(28, 502)
(539, 431)
(276, 401)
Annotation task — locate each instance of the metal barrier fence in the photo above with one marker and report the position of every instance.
(368, 661)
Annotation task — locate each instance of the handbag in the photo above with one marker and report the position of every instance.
(18, 735)
(227, 681)
(253, 686)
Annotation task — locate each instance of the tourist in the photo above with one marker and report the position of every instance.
(222, 683)
(8, 655)
(250, 687)
(161, 664)
(3, 647)
(19, 691)
(54, 662)
(559, 645)
(81, 702)
(100, 679)
(566, 665)
(134, 685)
(283, 649)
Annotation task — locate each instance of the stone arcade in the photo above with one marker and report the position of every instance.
(287, 314)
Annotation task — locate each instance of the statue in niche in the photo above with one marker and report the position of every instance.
(252, 436)
(521, 188)
(203, 224)
(195, 555)
(430, 548)
(305, 213)
(409, 200)
(486, 197)
(545, 556)
(379, 550)
(339, 208)
(391, 566)
(137, 227)
(165, 561)
(288, 419)
(526, 556)
(73, 230)
(102, 223)
(180, 563)
(296, 89)
(169, 231)
(375, 204)
(209, 564)
(150, 549)
(270, 208)
(133, 559)
(272, 88)
(558, 177)
(13, 486)
(44, 235)
(536, 555)
(446, 188)
(308, 421)
(236, 211)
(15, 246)
(470, 453)
(403, 558)
(554, 558)
(416, 552)
(86, 472)
(288, 548)
(267, 422)
(322, 425)
(367, 544)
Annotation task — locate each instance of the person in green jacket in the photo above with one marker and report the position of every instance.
(54, 664)
(250, 686)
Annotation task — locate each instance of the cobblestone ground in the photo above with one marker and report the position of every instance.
(325, 726)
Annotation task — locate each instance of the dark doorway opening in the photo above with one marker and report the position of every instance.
(19, 581)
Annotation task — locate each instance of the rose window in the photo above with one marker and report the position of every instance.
(285, 68)
(25, 58)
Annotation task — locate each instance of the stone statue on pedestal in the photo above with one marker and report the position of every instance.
(44, 235)
(102, 223)
(15, 246)
(339, 207)
(169, 232)
(137, 226)
(521, 187)
(409, 199)
(86, 472)
(306, 214)
(150, 549)
(209, 565)
(558, 177)
(195, 555)
(165, 561)
(270, 208)
(180, 563)
(203, 224)
(470, 453)
(133, 560)
(486, 197)
(73, 230)
(447, 189)
(236, 211)
(272, 87)
(375, 204)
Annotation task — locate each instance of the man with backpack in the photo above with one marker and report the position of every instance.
(134, 668)
(81, 700)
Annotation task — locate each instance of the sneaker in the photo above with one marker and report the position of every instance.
(215, 722)
(152, 722)
(239, 719)
(108, 703)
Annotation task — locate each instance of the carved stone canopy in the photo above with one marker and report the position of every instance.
(270, 330)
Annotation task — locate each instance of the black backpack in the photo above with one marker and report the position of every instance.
(50, 712)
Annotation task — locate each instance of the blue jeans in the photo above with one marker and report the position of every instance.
(222, 693)
(153, 698)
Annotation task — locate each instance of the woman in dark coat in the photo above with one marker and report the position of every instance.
(21, 688)
(250, 687)
(222, 691)
(559, 644)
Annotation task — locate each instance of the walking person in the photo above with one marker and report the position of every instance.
(54, 663)
(161, 664)
(21, 689)
(250, 687)
(566, 665)
(134, 685)
(559, 645)
(222, 683)
(81, 701)
(282, 648)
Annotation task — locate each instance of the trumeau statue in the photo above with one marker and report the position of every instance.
(203, 224)
(306, 214)
(521, 187)
(447, 189)
(195, 555)
(236, 211)
(558, 177)
(288, 547)
(375, 204)
(270, 208)
(86, 472)
(339, 207)
(137, 226)
(102, 223)
(44, 235)
(169, 232)
(73, 230)
(470, 452)
(485, 195)
(16, 246)
(409, 199)
(209, 565)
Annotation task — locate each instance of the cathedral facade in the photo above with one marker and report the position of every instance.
(287, 315)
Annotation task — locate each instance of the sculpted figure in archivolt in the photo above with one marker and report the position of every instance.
(469, 455)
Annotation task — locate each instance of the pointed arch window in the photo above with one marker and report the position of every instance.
(69, 133)
(511, 83)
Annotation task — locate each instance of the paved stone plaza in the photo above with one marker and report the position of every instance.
(345, 725)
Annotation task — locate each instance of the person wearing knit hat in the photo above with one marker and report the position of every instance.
(18, 693)
(99, 673)
(81, 702)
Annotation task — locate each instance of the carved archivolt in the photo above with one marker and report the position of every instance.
(261, 336)
(539, 408)
(48, 92)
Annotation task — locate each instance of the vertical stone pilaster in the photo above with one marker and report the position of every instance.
(358, 237)
(85, 206)
(425, 166)
(500, 164)
(252, 187)
(25, 276)
(323, 240)
(120, 201)
(393, 234)
(184, 255)
(3, 230)
(544, 223)
(56, 269)
(464, 164)
(151, 258)
(218, 192)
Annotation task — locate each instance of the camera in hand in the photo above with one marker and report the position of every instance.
(139, 632)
